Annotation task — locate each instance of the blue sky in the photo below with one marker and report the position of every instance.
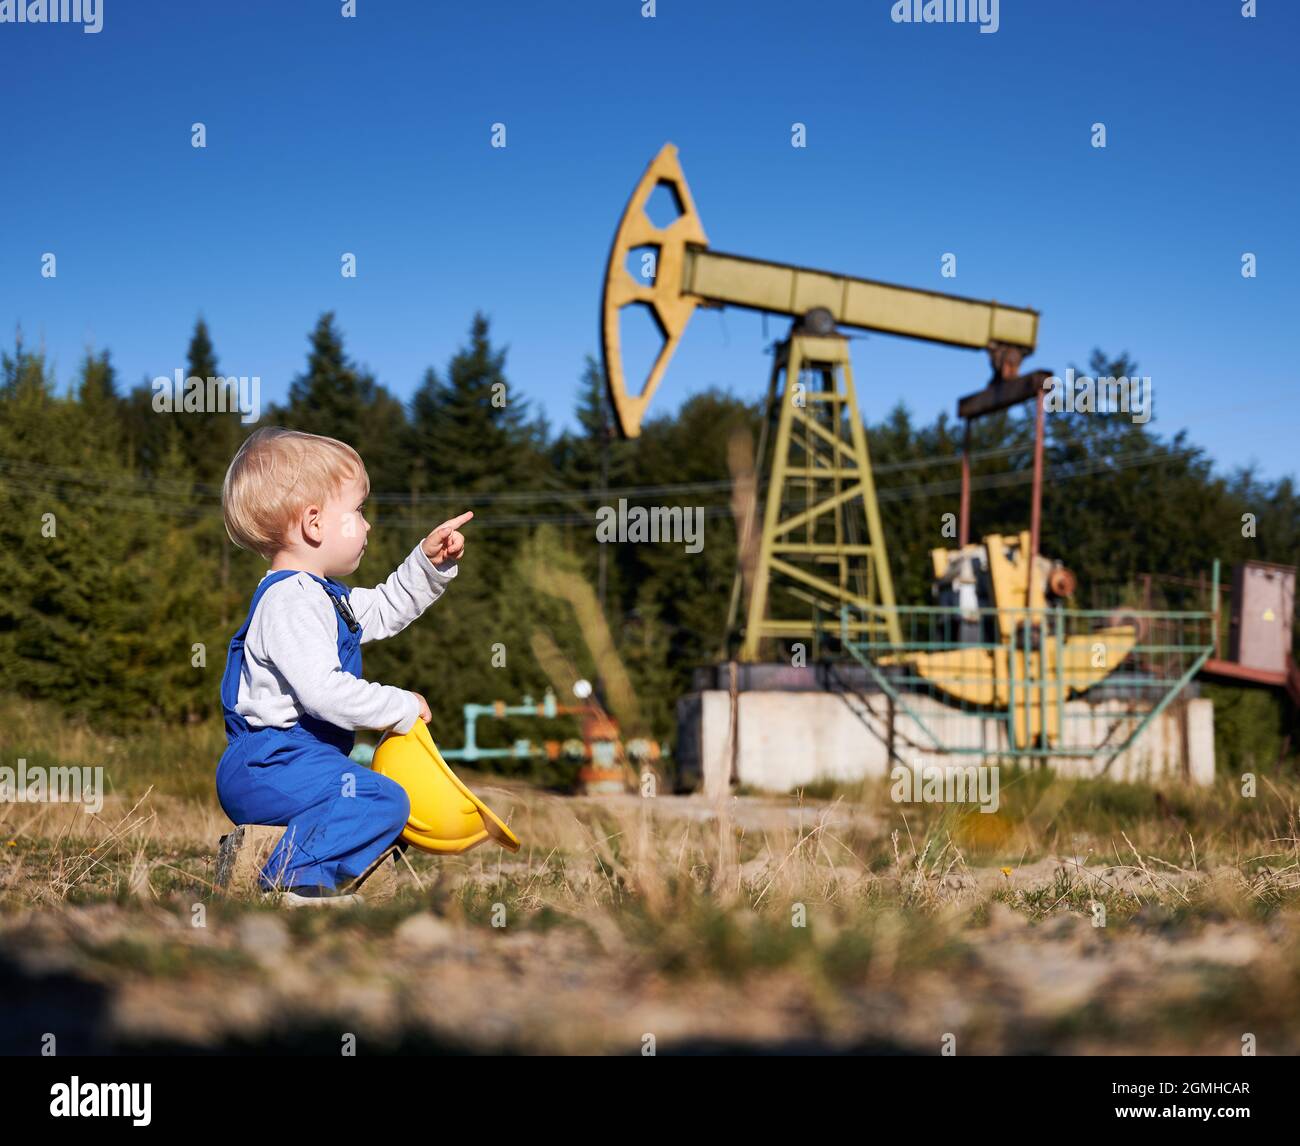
(372, 135)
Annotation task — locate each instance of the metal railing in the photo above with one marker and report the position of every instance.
(1020, 668)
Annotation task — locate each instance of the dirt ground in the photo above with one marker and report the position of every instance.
(672, 925)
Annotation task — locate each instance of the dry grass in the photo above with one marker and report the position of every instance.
(845, 922)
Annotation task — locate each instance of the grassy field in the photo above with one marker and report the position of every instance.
(1085, 917)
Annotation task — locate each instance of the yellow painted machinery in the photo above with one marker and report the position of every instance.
(1010, 649)
(821, 544)
(821, 541)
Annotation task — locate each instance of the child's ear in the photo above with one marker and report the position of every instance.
(311, 524)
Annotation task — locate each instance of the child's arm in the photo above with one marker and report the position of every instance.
(295, 632)
(413, 586)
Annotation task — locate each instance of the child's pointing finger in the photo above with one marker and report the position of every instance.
(455, 522)
(445, 542)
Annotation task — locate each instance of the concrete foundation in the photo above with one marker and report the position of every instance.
(778, 740)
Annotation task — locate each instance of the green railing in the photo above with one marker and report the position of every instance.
(1026, 669)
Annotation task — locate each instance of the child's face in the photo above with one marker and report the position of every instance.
(343, 530)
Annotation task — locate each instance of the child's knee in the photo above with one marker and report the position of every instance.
(393, 798)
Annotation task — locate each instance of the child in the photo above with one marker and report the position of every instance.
(292, 690)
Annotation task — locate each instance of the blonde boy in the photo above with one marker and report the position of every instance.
(292, 690)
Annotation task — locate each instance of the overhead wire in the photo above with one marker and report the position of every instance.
(19, 476)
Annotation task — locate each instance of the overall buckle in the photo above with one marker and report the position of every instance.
(345, 611)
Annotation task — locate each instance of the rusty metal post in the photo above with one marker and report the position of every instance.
(1036, 512)
(890, 730)
(963, 538)
(733, 691)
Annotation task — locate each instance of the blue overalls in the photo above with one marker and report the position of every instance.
(338, 815)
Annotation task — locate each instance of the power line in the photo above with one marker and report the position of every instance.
(146, 501)
(179, 488)
(172, 488)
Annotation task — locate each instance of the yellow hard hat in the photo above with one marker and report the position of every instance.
(446, 817)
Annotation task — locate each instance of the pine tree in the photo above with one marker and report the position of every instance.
(336, 399)
(472, 427)
(210, 438)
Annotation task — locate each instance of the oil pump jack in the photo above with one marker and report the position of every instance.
(822, 542)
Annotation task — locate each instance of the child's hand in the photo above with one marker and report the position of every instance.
(425, 714)
(446, 543)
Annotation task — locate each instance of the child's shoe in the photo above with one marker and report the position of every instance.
(313, 896)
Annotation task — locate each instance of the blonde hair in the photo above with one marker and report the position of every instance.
(274, 476)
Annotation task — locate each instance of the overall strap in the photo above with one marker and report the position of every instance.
(235, 723)
(338, 595)
(262, 586)
(349, 651)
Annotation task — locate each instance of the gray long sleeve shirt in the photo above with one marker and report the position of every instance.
(291, 660)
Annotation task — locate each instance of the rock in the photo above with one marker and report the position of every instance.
(264, 936)
(1235, 947)
(1065, 925)
(1003, 918)
(241, 855)
(425, 932)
